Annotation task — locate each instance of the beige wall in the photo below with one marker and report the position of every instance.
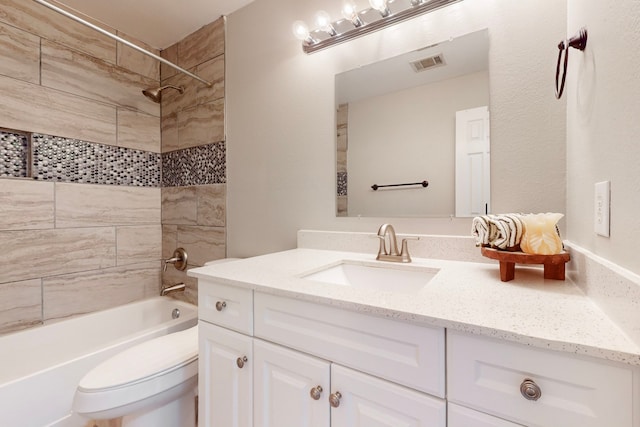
(74, 248)
(602, 122)
(194, 216)
(281, 124)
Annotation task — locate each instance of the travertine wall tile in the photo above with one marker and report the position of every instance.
(37, 19)
(201, 124)
(172, 100)
(20, 305)
(341, 160)
(136, 61)
(81, 205)
(138, 130)
(341, 208)
(170, 54)
(20, 52)
(202, 243)
(213, 72)
(169, 125)
(26, 204)
(75, 72)
(169, 240)
(179, 205)
(212, 201)
(138, 244)
(205, 43)
(34, 108)
(73, 294)
(41, 253)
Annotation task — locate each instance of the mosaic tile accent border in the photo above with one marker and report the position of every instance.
(342, 183)
(14, 154)
(73, 160)
(201, 165)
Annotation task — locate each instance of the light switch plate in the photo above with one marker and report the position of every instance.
(602, 205)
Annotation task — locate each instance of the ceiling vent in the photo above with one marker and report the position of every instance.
(428, 63)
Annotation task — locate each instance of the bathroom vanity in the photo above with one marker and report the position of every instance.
(282, 344)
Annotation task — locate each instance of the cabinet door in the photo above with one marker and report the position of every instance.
(459, 416)
(224, 377)
(360, 400)
(290, 388)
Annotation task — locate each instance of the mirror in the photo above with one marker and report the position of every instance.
(396, 124)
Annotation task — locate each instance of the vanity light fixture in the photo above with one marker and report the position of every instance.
(381, 6)
(381, 14)
(350, 12)
(323, 21)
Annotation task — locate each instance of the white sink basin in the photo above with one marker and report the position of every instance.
(377, 277)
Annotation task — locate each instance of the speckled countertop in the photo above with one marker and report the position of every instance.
(464, 296)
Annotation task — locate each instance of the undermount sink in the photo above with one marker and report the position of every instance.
(376, 277)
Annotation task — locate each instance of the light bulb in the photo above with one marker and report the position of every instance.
(381, 6)
(301, 31)
(323, 21)
(350, 12)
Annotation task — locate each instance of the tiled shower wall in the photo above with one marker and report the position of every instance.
(193, 154)
(85, 232)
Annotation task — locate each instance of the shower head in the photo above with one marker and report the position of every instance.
(155, 93)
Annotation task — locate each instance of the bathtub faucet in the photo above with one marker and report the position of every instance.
(179, 260)
(178, 287)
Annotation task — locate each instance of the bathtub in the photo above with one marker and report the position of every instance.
(40, 367)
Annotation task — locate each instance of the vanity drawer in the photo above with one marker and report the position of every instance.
(397, 351)
(459, 416)
(226, 306)
(488, 375)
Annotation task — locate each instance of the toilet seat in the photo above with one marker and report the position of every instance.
(151, 373)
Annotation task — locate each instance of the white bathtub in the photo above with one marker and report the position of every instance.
(40, 367)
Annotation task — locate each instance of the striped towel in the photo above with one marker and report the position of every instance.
(499, 231)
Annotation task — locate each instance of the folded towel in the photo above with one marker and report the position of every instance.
(499, 231)
(481, 229)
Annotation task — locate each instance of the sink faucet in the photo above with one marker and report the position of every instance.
(391, 253)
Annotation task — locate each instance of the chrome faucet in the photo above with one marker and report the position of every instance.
(178, 287)
(391, 253)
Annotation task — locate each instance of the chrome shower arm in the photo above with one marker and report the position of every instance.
(121, 40)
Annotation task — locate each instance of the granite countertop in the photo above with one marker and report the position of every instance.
(463, 296)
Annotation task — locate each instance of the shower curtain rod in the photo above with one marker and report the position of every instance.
(121, 40)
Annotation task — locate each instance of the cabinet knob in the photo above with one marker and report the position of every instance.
(530, 390)
(240, 361)
(220, 305)
(316, 392)
(334, 399)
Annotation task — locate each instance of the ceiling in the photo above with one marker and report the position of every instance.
(159, 23)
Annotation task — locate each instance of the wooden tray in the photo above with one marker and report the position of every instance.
(553, 264)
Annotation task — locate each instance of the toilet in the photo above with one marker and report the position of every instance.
(151, 384)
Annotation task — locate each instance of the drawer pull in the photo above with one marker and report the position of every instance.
(316, 392)
(334, 399)
(220, 305)
(240, 361)
(530, 390)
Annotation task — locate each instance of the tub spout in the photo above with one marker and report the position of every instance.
(178, 287)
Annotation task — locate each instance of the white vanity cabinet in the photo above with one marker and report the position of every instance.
(273, 361)
(304, 364)
(290, 388)
(535, 387)
(225, 377)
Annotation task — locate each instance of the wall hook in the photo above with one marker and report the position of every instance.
(578, 41)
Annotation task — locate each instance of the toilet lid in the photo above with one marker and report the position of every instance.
(144, 361)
